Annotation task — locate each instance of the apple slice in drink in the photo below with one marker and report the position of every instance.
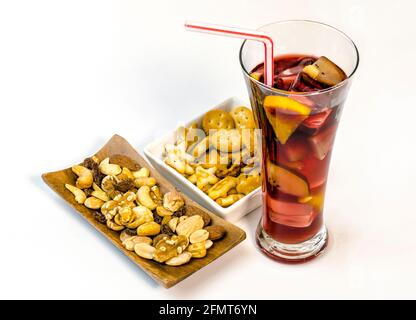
(292, 214)
(322, 142)
(286, 181)
(317, 120)
(293, 221)
(296, 148)
(284, 115)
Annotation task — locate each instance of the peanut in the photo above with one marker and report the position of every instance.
(179, 260)
(189, 225)
(144, 250)
(199, 236)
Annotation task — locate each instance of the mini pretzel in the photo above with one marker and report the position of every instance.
(229, 200)
(221, 188)
(205, 176)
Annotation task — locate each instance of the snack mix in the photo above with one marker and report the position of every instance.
(153, 225)
(220, 157)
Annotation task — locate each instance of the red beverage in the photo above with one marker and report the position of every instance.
(298, 111)
(298, 133)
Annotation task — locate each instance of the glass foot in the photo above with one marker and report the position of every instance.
(291, 253)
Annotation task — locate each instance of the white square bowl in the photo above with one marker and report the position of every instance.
(154, 152)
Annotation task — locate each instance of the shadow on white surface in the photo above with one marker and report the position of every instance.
(37, 181)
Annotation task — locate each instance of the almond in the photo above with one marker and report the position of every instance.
(215, 232)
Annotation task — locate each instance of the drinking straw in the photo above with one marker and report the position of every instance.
(243, 34)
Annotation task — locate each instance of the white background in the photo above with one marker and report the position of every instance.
(73, 73)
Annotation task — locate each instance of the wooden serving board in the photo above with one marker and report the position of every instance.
(122, 153)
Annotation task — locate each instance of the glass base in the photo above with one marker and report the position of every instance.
(291, 253)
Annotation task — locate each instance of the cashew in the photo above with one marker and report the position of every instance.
(142, 173)
(149, 181)
(98, 193)
(144, 198)
(109, 169)
(144, 250)
(161, 211)
(181, 259)
(93, 203)
(173, 201)
(85, 177)
(143, 215)
(80, 196)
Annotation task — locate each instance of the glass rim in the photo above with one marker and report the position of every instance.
(288, 93)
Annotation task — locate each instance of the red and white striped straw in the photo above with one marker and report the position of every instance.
(244, 34)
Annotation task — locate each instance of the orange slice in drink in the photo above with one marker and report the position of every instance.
(284, 115)
(316, 200)
(256, 75)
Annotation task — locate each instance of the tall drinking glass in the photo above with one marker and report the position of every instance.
(297, 135)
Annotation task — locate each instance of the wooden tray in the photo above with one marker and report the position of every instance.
(122, 153)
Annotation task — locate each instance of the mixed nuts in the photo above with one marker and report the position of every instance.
(153, 225)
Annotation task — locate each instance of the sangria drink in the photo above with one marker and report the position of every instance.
(298, 117)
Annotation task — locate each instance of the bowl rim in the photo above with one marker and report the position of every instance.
(160, 141)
